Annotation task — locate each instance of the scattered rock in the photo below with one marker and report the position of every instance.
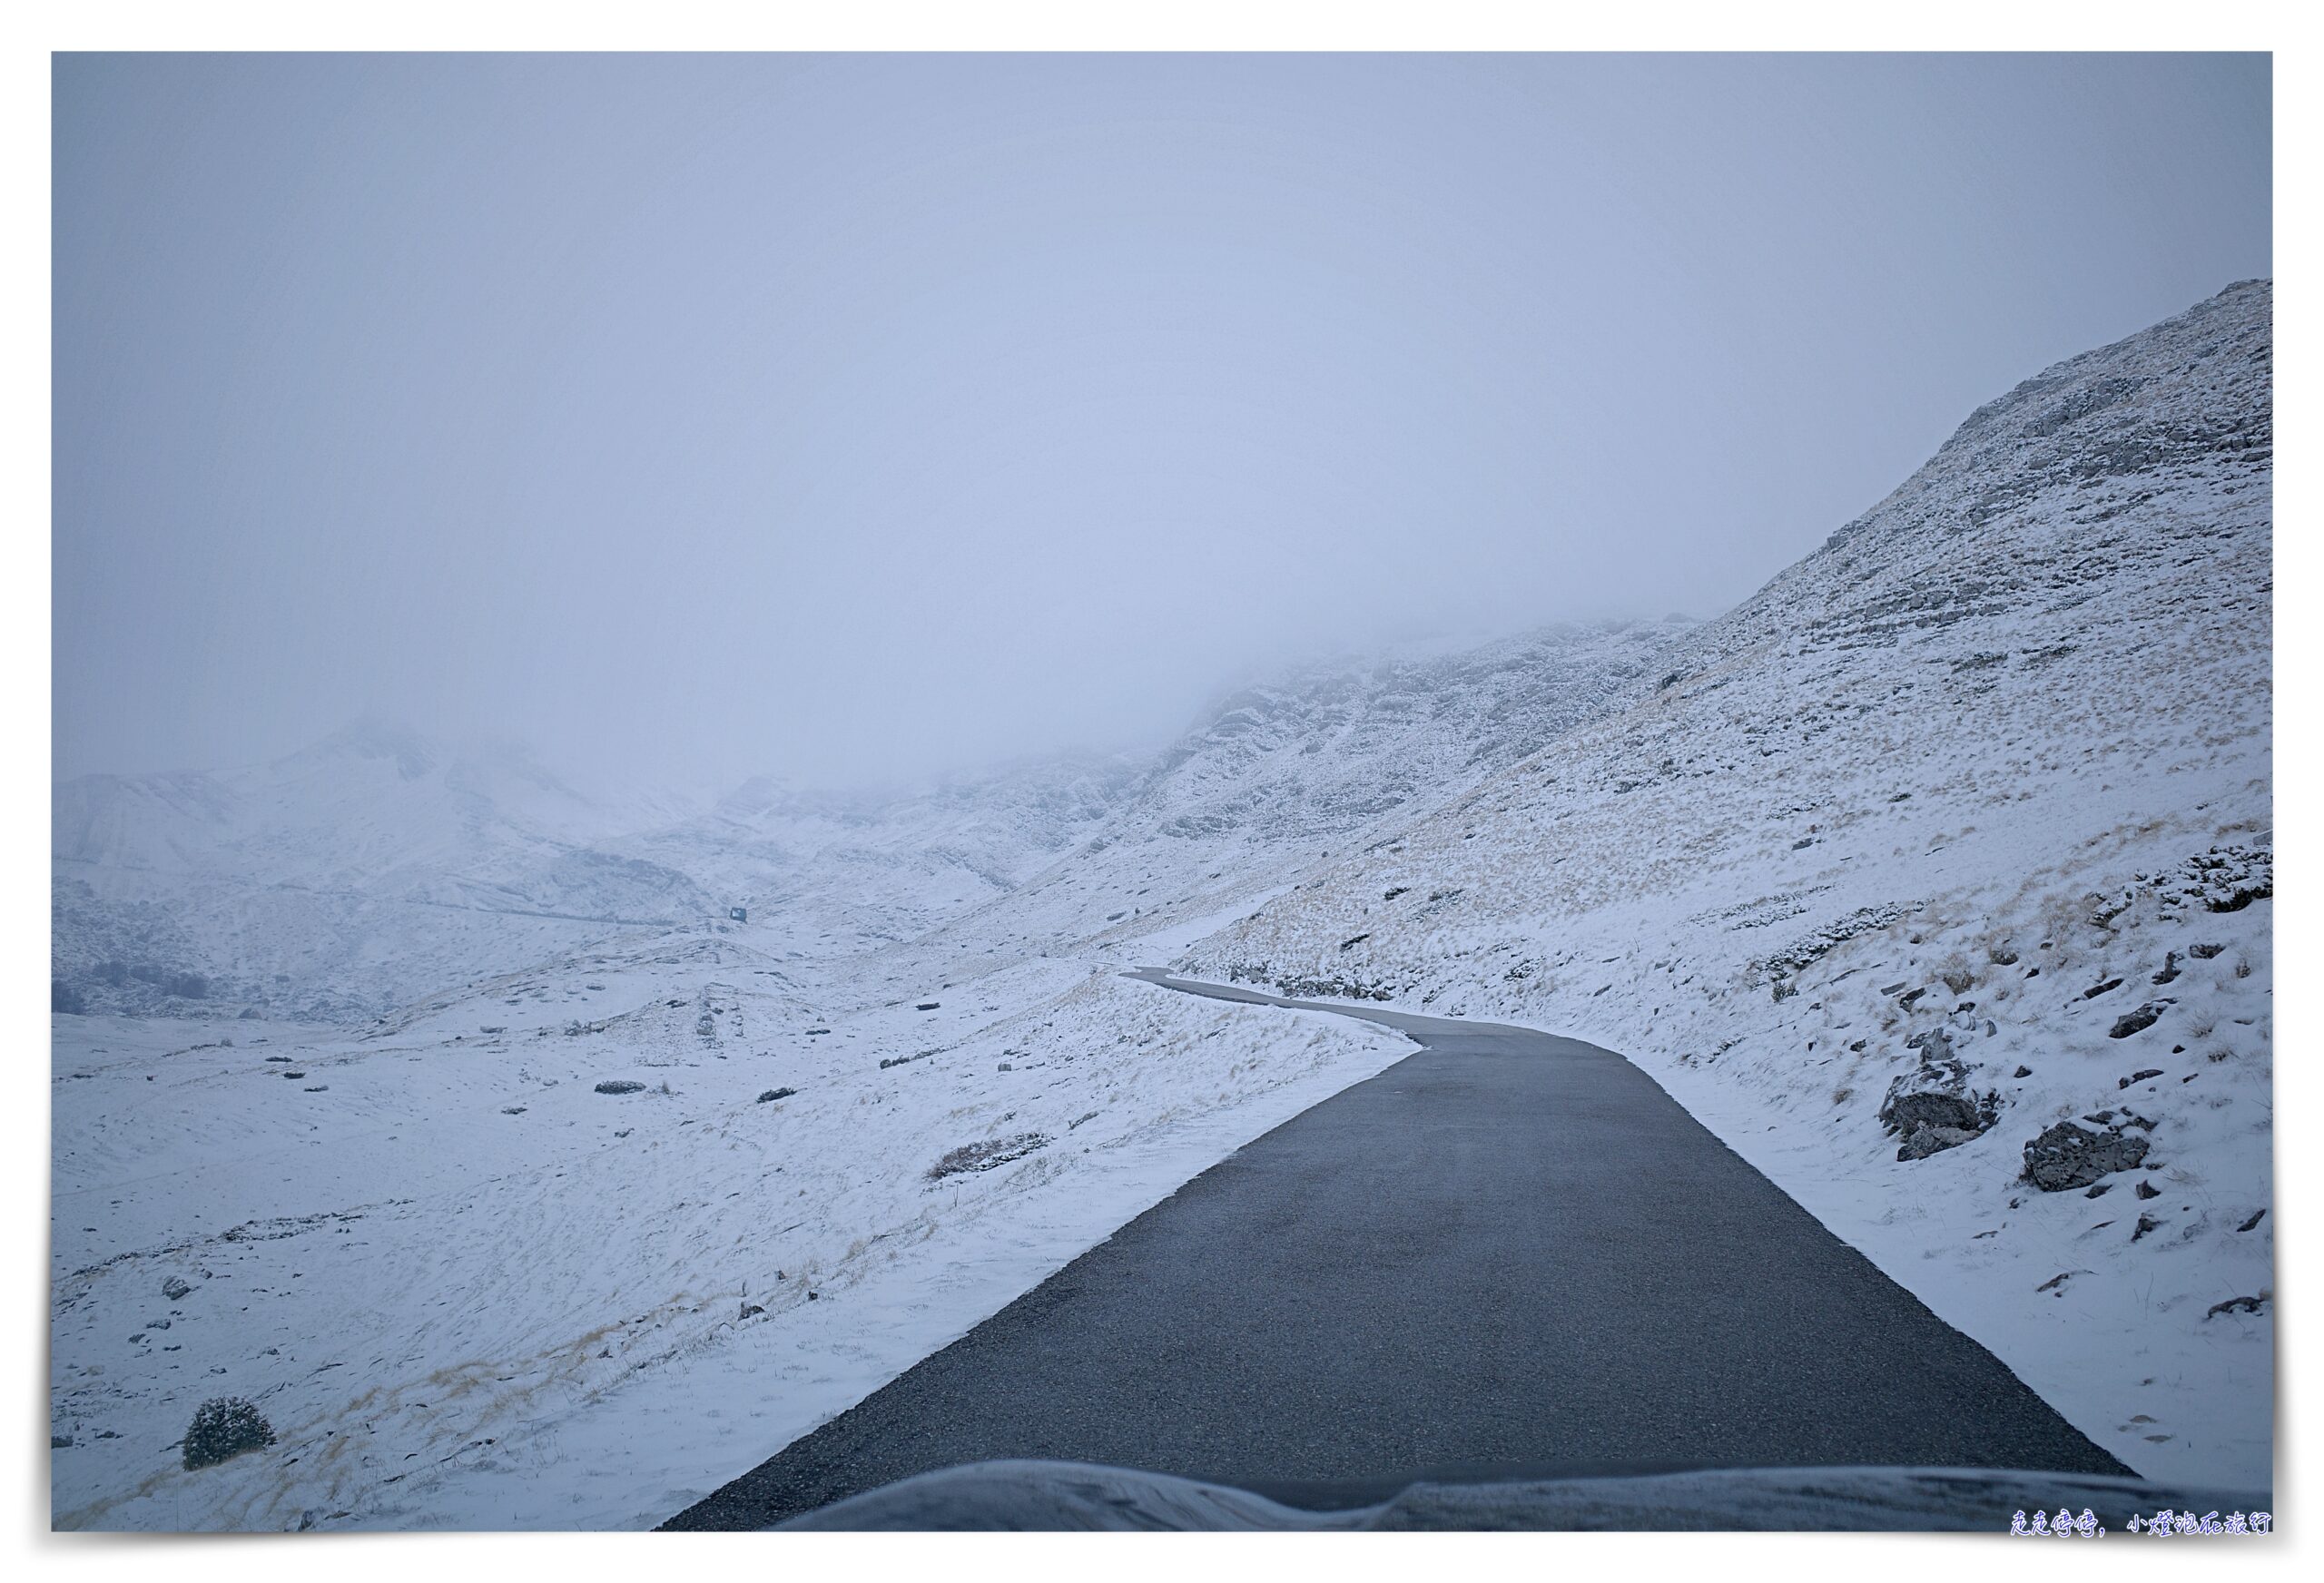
(2147, 1190)
(2147, 1223)
(2066, 1156)
(928, 1006)
(2257, 1217)
(1933, 1106)
(2131, 1022)
(2236, 1305)
(512, 1110)
(2095, 990)
(176, 1287)
(1925, 1141)
(750, 1310)
(2024, 1072)
(1007, 1067)
(58, 1442)
(2102, 1189)
(2140, 1076)
(1349, 944)
(621, 1086)
(2170, 968)
(772, 1095)
(2204, 953)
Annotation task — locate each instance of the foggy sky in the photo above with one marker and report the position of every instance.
(854, 416)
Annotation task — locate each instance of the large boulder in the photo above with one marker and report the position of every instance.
(1934, 1106)
(2069, 1155)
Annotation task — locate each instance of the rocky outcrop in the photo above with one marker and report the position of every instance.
(2070, 1156)
(1934, 1106)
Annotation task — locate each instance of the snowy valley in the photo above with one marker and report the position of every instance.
(671, 1130)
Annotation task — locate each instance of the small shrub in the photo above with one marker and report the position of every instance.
(223, 1428)
(985, 1156)
(1956, 972)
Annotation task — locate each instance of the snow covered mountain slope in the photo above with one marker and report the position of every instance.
(1283, 773)
(846, 872)
(362, 871)
(1960, 831)
(377, 869)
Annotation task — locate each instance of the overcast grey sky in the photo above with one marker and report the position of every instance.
(851, 416)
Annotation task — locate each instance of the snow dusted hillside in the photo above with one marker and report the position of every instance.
(1285, 773)
(847, 872)
(346, 878)
(1955, 840)
(377, 868)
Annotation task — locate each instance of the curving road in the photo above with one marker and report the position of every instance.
(1508, 1254)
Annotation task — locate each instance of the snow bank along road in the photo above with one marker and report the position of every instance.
(1509, 1251)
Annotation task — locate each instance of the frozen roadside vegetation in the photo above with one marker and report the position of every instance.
(469, 1289)
(1968, 820)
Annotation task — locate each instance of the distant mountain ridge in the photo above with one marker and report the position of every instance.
(329, 870)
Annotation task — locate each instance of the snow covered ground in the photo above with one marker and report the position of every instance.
(467, 1289)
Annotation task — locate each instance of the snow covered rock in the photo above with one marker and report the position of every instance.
(2069, 1155)
(1934, 1106)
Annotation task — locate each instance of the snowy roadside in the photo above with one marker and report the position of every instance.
(603, 1306)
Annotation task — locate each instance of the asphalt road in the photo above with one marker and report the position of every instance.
(1509, 1253)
